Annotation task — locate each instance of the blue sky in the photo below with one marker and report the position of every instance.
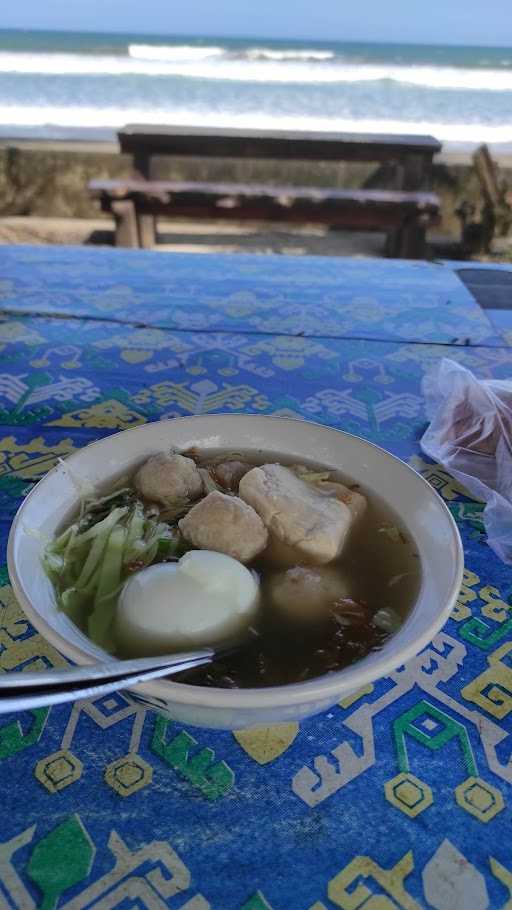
(422, 21)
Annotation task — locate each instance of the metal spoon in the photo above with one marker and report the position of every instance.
(23, 691)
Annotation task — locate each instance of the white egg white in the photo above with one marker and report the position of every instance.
(204, 599)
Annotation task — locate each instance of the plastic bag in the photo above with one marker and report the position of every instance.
(470, 435)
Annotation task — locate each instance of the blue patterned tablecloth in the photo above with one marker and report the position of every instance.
(400, 796)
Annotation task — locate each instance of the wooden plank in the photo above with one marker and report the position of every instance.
(231, 195)
(360, 217)
(275, 144)
(486, 172)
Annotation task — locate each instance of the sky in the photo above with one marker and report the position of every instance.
(477, 22)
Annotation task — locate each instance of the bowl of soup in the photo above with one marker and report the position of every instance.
(323, 562)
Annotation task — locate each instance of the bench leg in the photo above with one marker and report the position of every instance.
(126, 223)
(147, 231)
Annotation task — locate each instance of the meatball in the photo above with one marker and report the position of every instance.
(168, 479)
(225, 524)
(307, 592)
(312, 526)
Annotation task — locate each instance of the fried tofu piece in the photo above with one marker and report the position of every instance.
(355, 501)
(311, 526)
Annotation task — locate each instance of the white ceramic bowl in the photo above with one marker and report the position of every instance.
(422, 511)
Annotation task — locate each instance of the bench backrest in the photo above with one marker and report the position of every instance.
(145, 141)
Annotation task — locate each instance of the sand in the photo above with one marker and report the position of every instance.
(191, 237)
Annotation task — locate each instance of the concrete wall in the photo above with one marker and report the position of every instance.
(50, 179)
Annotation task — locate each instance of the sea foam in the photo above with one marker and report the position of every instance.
(254, 65)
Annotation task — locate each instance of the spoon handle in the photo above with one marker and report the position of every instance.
(23, 691)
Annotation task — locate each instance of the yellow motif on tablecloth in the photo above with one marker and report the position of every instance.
(71, 352)
(12, 332)
(408, 793)
(243, 303)
(290, 352)
(201, 397)
(505, 877)
(21, 647)
(32, 459)
(443, 482)
(118, 296)
(128, 774)
(145, 340)
(350, 700)
(493, 625)
(343, 894)
(136, 356)
(466, 596)
(492, 689)
(495, 607)
(265, 744)
(479, 798)
(58, 770)
(109, 414)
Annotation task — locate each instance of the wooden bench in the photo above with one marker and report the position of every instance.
(135, 204)
(405, 212)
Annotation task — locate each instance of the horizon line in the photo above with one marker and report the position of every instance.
(248, 38)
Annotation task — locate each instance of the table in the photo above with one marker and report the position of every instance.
(399, 797)
(413, 154)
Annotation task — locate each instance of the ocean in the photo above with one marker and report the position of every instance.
(70, 85)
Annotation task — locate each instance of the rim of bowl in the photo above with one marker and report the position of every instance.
(322, 687)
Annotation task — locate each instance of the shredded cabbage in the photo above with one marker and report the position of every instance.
(89, 562)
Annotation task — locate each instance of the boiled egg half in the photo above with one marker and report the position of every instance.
(204, 599)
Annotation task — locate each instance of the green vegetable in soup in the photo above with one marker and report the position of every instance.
(90, 561)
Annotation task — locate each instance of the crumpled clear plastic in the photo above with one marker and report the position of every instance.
(470, 435)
